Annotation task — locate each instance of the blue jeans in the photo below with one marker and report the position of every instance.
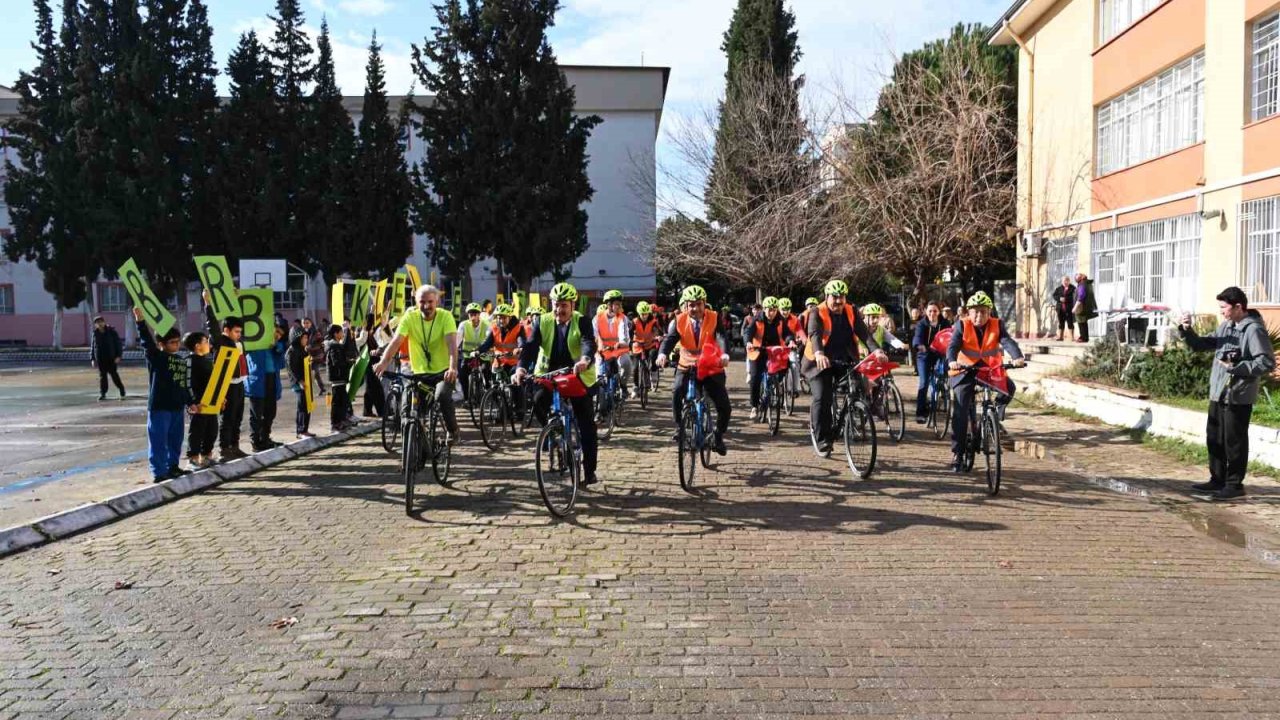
(925, 368)
(164, 440)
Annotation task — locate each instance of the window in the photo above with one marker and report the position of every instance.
(1062, 256)
(1155, 263)
(1266, 67)
(112, 298)
(1161, 115)
(1114, 16)
(1260, 235)
(6, 299)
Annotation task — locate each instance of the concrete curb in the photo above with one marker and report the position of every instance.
(70, 522)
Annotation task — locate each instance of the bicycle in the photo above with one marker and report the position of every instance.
(500, 410)
(984, 435)
(609, 402)
(479, 381)
(558, 452)
(695, 430)
(939, 401)
(774, 394)
(391, 417)
(644, 378)
(851, 412)
(886, 403)
(795, 382)
(421, 445)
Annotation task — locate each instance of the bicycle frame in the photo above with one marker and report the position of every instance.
(694, 394)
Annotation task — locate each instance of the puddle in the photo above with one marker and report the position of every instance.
(1214, 522)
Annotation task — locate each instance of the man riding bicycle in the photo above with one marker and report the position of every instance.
(834, 330)
(691, 330)
(564, 338)
(471, 334)
(769, 330)
(645, 337)
(613, 340)
(979, 340)
(433, 350)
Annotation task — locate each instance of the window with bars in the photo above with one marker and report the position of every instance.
(112, 298)
(1266, 67)
(1062, 257)
(1155, 263)
(1260, 236)
(1163, 114)
(1115, 16)
(6, 300)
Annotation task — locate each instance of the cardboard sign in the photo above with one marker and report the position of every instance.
(535, 300)
(414, 277)
(224, 368)
(380, 301)
(355, 380)
(337, 304)
(307, 391)
(215, 276)
(457, 302)
(433, 277)
(360, 302)
(501, 299)
(398, 292)
(153, 311)
(257, 309)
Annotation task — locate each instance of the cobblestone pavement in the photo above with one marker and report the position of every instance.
(786, 589)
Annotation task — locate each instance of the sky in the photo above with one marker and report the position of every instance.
(847, 45)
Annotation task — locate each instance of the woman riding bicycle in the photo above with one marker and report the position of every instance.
(927, 359)
(979, 340)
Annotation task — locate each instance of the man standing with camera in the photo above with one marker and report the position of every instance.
(1242, 356)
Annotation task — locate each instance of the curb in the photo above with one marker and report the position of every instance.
(76, 520)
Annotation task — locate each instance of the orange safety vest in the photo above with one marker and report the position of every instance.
(690, 346)
(757, 339)
(793, 322)
(646, 333)
(607, 335)
(824, 314)
(506, 344)
(985, 352)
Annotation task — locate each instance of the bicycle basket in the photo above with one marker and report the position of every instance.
(779, 359)
(941, 341)
(568, 385)
(994, 377)
(875, 369)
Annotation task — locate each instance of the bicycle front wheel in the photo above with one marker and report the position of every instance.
(792, 389)
(642, 382)
(688, 448)
(895, 415)
(708, 425)
(777, 400)
(411, 450)
(941, 413)
(991, 451)
(438, 449)
(556, 467)
(493, 418)
(391, 424)
(606, 409)
(860, 440)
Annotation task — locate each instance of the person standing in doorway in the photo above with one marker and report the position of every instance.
(1085, 307)
(105, 352)
(1064, 299)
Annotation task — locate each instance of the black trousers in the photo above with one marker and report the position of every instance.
(106, 369)
(375, 401)
(262, 413)
(1082, 328)
(338, 410)
(232, 417)
(1227, 433)
(822, 386)
(1066, 320)
(584, 414)
(714, 388)
(963, 390)
(649, 357)
(201, 434)
(757, 370)
(302, 421)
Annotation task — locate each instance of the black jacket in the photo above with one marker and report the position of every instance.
(338, 359)
(106, 347)
(218, 340)
(295, 355)
(169, 375)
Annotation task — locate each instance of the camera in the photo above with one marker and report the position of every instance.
(1232, 356)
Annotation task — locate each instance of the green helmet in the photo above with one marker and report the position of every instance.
(473, 308)
(872, 309)
(784, 304)
(980, 299)
(643, 308)
(836, 287)
(531, 310)
(504, 309)
(564, 291)
(770, 302)
(811, 301)
(693, 293)
(613, 296)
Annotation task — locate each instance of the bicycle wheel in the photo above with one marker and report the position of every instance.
(391, 424)
(941, 417)
(606, 409)
(991, 452)
(493, 418)
(895, 415)
(792, 390)
(412, 446)
(556, 467)
(438, 449)
(475, 393)
(860, 440)
(688, 451)
(708, 427)
(777, 401)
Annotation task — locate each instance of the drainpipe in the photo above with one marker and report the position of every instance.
(1031, 134)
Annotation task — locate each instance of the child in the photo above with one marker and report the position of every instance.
(294, 357)
(264, 390)
(169, 395)
(204, 428)
(335, 352)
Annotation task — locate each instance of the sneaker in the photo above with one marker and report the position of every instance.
(675, 437)
(233, 453)
(824, 449)
(590, 480)
(957, 462)
(1207, 487)
(273, 444)
(160, 478)
(921, 420)
(176, 471)
(122, 395)
(306, 435)
(719, 448)
(1228, 492)
(102, 398)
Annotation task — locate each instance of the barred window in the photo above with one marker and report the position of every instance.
(1155, 263)
(1115, 16)
(6, 300)
(1062, 255)
(1266, 67)
(1260, 236)
(112, 298)
(1161, 115)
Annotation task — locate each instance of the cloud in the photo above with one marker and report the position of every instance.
(368, 8)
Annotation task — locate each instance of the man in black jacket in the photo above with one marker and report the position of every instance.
(104, 354)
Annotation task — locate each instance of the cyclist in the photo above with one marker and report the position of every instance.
(792, 320)
(769, 330)
(810, 304)
(505, 337)
(613, 340)
(531, 315)
(926, 357)
(433, 350)
(471, 333)
(979, 339)
(834, 331)
(645, 335)
(881, 326)
(564, 338)
(691, 330)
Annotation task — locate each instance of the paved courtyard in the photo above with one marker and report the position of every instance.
(784, 589)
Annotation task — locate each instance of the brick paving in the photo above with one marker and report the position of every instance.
(785, 590)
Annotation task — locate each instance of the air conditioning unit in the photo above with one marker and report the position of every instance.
(1032, 244)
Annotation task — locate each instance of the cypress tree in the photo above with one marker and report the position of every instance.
(326, 202)
(292, 70)
(382, 190)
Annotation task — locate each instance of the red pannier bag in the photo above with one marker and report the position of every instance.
(941, 341)
(779, 359)
(709, 361)
(874, 369)
(569, 385)
(997, 377)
